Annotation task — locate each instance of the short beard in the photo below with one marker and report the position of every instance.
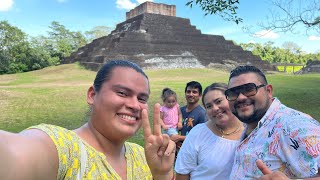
(255, 117)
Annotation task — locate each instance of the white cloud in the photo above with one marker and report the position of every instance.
(314, 38)
(128, 4)
(125, 4)
(251, 41)
(142, 1)
(5, 5)
(266, 34)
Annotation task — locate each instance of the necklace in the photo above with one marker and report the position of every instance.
(223, 134)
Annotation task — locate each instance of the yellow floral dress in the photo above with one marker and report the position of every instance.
(68, 146)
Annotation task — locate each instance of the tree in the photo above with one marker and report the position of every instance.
(289, 53)
(290, 14)
(97, 32)
(41, 53)
(13, 49)
(19, 54)
(287, 15)
(292, 47)
(227, 9)
(62, 42)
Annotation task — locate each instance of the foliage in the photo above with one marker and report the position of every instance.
(289, 53)
(97, 32)
(18, 53)
(227, 9)
(62, 42)
(286, 15)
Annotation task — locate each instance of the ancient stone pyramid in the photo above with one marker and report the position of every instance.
(161, 40)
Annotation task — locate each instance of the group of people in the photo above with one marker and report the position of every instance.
(243, 132)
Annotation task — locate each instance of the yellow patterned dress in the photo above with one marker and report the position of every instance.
(68, 146)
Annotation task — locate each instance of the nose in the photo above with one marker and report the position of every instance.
(214, 107)
(133, 103)
(241, 97)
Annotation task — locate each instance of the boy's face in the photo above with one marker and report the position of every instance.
(192, 95)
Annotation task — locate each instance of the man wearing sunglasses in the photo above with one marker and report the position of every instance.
(285, 142)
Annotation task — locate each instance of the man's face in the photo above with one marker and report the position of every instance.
(250, 109)
(192, 95)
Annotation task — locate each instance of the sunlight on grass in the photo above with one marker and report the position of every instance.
(57, 95)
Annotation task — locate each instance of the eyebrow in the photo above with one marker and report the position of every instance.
(214, 101)
(193, 90)
(119, 86)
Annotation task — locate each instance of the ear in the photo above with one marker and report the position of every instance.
(269, 90)
(90, 95)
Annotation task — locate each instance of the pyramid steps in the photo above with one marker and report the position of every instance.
(159, 41)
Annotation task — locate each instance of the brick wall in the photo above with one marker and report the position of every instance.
(150, 7)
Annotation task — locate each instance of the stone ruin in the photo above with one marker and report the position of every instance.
(311, 67)
(149, 7)
(153, 37)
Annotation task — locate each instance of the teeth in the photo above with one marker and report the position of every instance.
(130, 118)
(243, 105)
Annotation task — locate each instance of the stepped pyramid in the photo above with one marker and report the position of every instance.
(153, 37)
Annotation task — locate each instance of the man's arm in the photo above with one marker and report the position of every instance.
(180, 118)
(31, 152)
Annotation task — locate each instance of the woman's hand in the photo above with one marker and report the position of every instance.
(159, 149)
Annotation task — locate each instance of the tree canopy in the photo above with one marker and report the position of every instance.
(21, 53)
(227, 9)
(285, 15)
(97, 32)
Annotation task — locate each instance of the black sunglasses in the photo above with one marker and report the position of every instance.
(248, 90)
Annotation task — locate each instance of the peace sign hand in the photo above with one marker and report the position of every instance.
(159, 149)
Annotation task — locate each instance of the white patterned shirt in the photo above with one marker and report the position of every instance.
(285, 139)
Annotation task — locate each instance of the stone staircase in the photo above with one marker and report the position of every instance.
(159, 41)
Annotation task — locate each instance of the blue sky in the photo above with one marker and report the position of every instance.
(34, 16)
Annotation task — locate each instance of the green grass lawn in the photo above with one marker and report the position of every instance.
(57, 95)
